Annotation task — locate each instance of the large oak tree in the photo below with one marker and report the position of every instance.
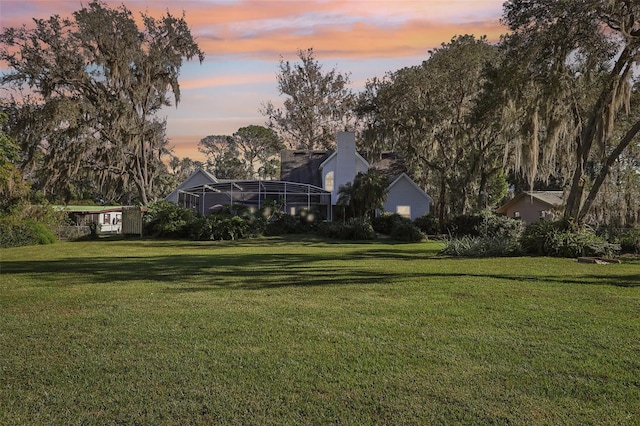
(572, 68)
(87, 90)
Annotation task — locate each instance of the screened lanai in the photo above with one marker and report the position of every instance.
(293, 196)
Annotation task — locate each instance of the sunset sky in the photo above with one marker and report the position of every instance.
(244, 40)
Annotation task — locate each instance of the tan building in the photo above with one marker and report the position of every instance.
(531, 206)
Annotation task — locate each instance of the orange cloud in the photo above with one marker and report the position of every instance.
(357, 41)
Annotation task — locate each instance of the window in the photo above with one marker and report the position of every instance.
(516, 215)
(106, 220)
(404, 211)
(328, 181)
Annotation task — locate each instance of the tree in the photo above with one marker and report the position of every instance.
(432, 114)
(258, 146)
(318, 104)
(96, 83)
(223, 157)
(365, 194)
(12, 189)
(572, 69)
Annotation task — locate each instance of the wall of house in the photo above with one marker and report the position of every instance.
(405, 199)
(528, 209)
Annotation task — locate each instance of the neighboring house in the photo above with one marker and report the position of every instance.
(309, 179)
(108, 217)
(112, 219)
(532, 206)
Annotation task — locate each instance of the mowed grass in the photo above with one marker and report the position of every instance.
(306, 331)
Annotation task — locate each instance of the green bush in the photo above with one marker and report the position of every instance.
(385, 222)
(16, 232)
(554, 238)
(282, 223)
(428, 224)
(630, 241)
(467, 246)
(165, 219)
(354, 229)
(406, 231)
(486, 224)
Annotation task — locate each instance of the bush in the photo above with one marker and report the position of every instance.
(354, 229)
(15, 232)
(165, 219)
(406, 231)
(554, 238)
(486, 224)
(428, 224)
(630, 241)
(282, 223)
(385, 222)
(481, 247)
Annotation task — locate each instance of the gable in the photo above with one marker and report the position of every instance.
(404, 187)
(198, 178)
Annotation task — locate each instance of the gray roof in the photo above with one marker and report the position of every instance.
(551, 198)
(302, 166)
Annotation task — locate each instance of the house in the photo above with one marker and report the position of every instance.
(308, 180)
(331, 170)
(111, 219)
(531, 206)
(108, 217)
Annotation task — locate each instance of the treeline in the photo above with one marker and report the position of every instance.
(553, 105)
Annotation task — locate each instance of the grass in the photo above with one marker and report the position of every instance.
(286, 331)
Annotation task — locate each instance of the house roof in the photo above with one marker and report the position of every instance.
(334, 153)
(302, 166)
(305, 166)
(551, 198)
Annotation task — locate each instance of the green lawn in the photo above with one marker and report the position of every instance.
(281, 331)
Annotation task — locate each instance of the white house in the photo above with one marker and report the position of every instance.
(331, 170)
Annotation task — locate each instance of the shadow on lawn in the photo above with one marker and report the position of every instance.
(252, 271)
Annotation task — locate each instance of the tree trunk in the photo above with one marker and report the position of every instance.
(611, 159)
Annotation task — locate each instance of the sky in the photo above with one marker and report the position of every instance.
(244, 41)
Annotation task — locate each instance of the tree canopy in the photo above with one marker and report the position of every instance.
(86, 93)
(317, 104)
(251, 152)
(429, 113)
(570, 74)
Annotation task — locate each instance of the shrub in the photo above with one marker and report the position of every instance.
(406, 231)
(354, 229)
(385, 222)
(556, 239)
(428, 224)
(630, 241)
(282, 223)
(481, 247)
(486, 224)
(165, 219)
(15, 232)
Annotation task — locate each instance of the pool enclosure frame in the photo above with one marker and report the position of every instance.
(292, 195)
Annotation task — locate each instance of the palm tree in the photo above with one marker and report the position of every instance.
(367, 193)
